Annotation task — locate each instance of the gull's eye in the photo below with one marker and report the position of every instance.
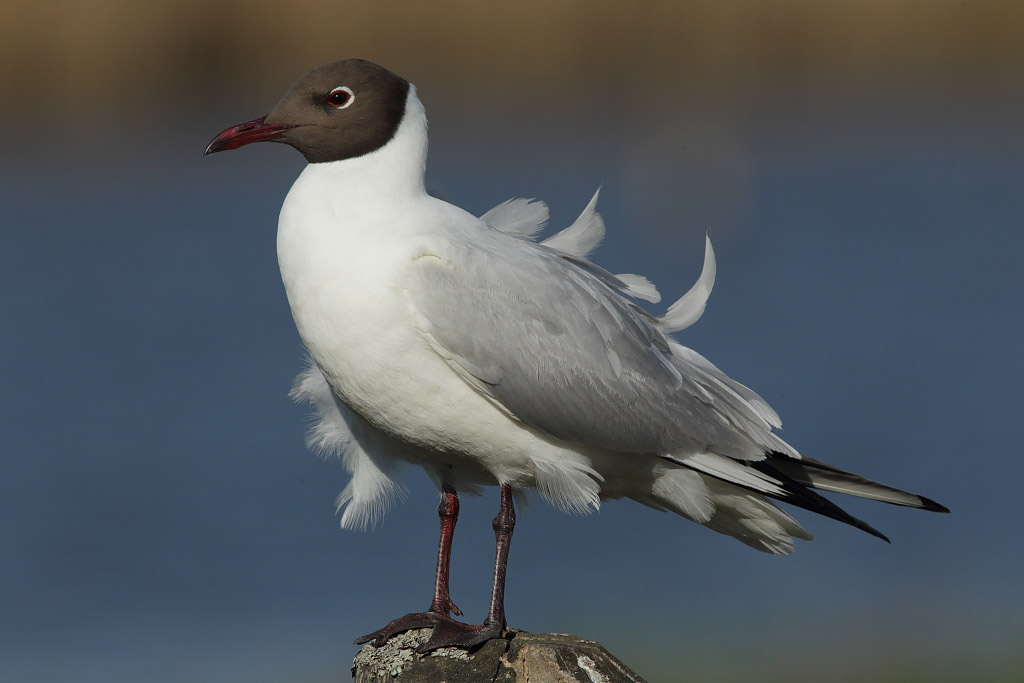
(341, 97)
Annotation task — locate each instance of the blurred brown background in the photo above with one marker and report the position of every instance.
(860, 165)
(91, 55)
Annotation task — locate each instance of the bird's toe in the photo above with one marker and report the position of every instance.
(451, 633)
(401, 625)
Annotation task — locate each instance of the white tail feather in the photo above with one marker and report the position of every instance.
(751, 519)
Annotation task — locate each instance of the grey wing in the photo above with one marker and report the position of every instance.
(557, 348)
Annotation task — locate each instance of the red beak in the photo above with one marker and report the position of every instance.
(244, 133)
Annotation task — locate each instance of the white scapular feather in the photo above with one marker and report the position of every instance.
(639, 287)
(518, 217)
(584, 235)
(525, 218)
(690, 306)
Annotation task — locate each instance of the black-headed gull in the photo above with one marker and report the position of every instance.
(462, 345)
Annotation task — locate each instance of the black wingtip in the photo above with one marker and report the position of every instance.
(931, 506)
(863, 526)
(801, 469)
(796, 493)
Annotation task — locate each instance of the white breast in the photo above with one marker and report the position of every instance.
(344, 267)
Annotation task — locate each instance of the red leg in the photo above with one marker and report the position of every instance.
(503, 526)
(448, 512)
(455, 634)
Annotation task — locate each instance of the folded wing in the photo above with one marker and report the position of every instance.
(548, 339)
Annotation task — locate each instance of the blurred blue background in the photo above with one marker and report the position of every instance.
(862, 173)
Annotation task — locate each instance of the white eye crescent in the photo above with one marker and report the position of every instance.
(341, 97)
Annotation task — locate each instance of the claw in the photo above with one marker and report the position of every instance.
(401, 625)
(446, 632)
(456, 634)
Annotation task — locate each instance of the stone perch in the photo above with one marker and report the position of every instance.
(520, 657)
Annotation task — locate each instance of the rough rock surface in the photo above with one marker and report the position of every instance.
(521, 657)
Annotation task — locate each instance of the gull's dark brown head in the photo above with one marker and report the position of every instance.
(338, 111)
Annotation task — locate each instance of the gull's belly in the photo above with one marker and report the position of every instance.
(382, 367)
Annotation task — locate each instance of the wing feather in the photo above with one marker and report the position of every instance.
(546, 337)
(518, 217)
